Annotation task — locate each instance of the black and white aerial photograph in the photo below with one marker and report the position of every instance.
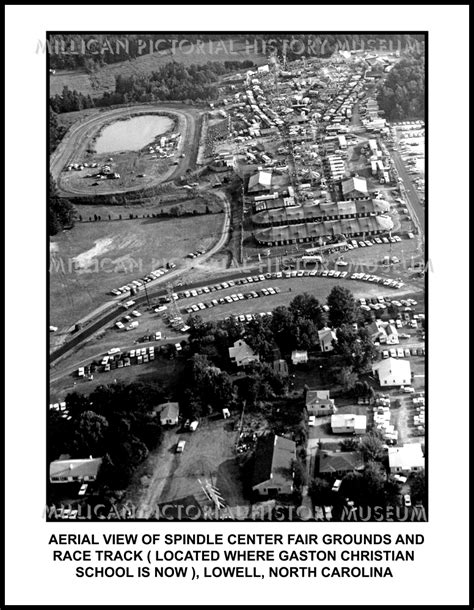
(237, 276)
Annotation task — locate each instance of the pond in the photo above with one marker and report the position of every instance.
(132, 134)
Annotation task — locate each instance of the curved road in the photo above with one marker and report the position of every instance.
(140, 299)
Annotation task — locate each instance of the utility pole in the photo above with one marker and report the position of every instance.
(146, 294)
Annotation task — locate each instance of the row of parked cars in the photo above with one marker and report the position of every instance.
(375, 279)
(233, 298)
(120, 359)
(373, 242)
(403, 352)
(196, 253)
(418, 419)
(137, 284)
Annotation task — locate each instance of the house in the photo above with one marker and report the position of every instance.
(393, 372)
(406, 459)
(383, 332)
(354, 187)
(242, 354)
(326, 337)
(74, 471)
(340, 462)
(299, 356)
(280, 367)
(168, 412)
(391, 334)
(319, 404)
(273, 472)
(348, 423)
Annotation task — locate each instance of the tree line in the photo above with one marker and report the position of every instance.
(61, 212)
(172, 81)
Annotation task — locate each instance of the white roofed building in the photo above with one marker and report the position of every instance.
(393, 372)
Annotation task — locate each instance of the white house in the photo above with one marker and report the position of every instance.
(74, 471)
(326, 337)
(299, 356)
(348, 423)
(169, 413)
(406, 459)
(393, 372)
(242, 354)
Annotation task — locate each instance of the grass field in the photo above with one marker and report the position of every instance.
(90, 260)
(104, 79)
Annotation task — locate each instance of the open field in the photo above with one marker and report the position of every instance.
(209, 455)
(90, 260)
(103, 80)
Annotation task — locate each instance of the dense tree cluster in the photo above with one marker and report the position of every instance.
(61, 212)
(172, 81)
(355, 348)
(402, 95)
(205, 388)
(115, 422)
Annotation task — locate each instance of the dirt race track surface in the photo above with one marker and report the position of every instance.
(77, 140)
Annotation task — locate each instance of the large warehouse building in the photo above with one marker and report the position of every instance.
(361, 208)
(304, 232)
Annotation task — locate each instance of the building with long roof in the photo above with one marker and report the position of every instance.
(311, 232)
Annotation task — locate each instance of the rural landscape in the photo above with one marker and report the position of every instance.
(237, 277)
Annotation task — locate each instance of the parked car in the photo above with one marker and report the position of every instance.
(407, 500)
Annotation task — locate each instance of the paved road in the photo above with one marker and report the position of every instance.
(416, 209)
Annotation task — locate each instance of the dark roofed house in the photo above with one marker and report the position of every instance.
(273, 471)
(340, 462)
(319, 404)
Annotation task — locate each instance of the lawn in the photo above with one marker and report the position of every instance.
(91, 259)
